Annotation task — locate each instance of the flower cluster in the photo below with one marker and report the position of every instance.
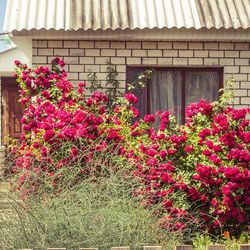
(200, 166)
(220, 157)
(56, 114)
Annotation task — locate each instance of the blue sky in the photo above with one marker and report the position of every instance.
(2, 11)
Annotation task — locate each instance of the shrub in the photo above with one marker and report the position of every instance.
(58, 118)
(91, 214)
(207, 160)
(188, 172)
(218, 155)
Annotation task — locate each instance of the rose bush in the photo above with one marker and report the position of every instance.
(197, 172)
(218, 150)
(56, 114)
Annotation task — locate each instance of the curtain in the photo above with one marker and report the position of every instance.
(165, 93)
(201, 85)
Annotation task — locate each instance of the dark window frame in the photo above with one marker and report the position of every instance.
(183, 70)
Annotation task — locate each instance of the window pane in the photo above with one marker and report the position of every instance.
(165, 92)
(201, 85)
(172, 89)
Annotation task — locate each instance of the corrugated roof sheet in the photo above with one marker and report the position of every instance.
(224, 13)
(36, 14)
(6, 44)
(126, 14)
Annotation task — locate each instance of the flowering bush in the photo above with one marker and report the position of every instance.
(56, 115)
(199, 170)
(207, 160)
(218, 150)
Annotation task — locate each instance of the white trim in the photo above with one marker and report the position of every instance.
(141, 35)
(6, 50)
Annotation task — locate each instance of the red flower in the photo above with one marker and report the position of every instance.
(131, 98)
(61, 63)
(74, 151)
(49, 134)
(17, 63)
(189, 148)
(56, 60)
(151, 152)
(166, 178)
(149, 118)
(135, 111)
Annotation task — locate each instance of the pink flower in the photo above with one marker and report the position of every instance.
(56, 60)
(74, 151)
(44, 151)
(206, 152)
(46, 94)
(36, 144)
(89, 102)
(163, 153)
(228, 139)
(49, 134)
(135, 111)
(149, 118)
(82, 85)
(61, 63)
(17, 63)
(131, 97)
(204, 132)
(239, 114)
(214, 202)
(151, 152)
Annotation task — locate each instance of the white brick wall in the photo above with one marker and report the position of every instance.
(82, 56)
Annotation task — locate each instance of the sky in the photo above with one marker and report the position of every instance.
(2, 11)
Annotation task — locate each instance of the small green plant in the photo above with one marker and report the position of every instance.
(201, 241)
(113, 85)
(94, 84)
(141, 80)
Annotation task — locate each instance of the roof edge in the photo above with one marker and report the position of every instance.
(141, 35)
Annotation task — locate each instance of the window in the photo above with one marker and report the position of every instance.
(173, 89)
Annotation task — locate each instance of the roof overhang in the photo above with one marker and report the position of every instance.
(115, 19)
(140, 35)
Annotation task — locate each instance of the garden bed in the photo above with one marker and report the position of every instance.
(90, 172)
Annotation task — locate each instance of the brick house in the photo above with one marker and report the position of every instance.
(193, 45)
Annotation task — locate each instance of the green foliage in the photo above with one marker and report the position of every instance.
(112, 85)
(94, 84)
(141, 80)
(203, 240)
(92, 214)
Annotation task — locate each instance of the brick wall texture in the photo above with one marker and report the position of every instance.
(84, 56)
